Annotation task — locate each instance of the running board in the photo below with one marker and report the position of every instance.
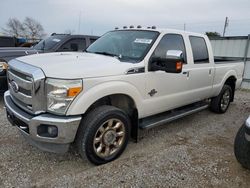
(169, 116)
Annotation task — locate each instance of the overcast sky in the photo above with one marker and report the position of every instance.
(98, 16)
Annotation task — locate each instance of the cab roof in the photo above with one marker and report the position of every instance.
(161, 30)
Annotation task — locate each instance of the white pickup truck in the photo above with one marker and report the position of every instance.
(129, 79)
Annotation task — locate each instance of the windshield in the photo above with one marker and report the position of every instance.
(127, 45)
(49, 42)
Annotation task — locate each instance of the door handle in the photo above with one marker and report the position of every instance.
(186, 73)
(210, 71)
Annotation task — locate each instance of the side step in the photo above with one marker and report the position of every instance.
(166, 117)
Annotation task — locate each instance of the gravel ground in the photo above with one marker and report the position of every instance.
(196, 151)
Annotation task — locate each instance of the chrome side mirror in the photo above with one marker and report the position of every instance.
(174, 54)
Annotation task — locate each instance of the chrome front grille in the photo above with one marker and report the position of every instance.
(26, 85)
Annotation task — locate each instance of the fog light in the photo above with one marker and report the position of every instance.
(50, 131)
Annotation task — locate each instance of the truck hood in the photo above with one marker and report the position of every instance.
(70, 65)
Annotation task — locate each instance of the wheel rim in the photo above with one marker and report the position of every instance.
(225, 100)
(109, 138)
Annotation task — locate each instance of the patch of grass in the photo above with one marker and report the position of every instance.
(245, 90)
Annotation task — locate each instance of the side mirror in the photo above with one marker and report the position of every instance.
(172, 63)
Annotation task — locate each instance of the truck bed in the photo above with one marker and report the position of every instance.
(222, 60)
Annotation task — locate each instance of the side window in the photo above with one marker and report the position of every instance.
(92, 40)
(199, 49)
(74, 45)
(170, 42)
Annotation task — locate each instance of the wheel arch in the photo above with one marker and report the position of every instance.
(231, 81)
(123, 102)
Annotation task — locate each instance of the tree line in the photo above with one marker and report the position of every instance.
(29, 28)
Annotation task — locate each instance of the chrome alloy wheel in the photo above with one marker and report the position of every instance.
(225, 100)
(109, 138)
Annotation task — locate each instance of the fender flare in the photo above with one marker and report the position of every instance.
(222, 83)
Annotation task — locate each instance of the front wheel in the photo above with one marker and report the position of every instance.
(242, 148)
(221, 103)
(103, 135)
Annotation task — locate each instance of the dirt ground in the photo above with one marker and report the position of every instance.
(196, 151)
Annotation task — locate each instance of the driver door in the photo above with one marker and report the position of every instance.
(165, 91)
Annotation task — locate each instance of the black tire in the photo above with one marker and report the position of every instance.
(242, 148)
(89, 128)
(216, 102)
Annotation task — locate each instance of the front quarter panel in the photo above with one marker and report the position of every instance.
(95, 89)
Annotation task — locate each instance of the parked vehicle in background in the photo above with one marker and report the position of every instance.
(54, 43)
(126, 80)
(6, 41)
(242, 145)
(28, 44)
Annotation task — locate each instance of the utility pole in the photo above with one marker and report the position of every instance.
(225, 26)
(184, 26)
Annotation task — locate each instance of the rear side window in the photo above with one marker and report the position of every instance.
(170, 42)
(199, 49)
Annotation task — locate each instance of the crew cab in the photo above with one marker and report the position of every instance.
(54, 43)
(127, 80)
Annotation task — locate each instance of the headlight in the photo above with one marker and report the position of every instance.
(3, 65)
(60, 94)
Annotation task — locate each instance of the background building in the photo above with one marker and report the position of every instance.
(234, 48)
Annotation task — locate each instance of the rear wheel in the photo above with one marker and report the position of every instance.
(221, 103)
(242, 148)
(103, 134)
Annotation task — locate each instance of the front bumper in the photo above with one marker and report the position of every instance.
(28, 125)
(247, 125)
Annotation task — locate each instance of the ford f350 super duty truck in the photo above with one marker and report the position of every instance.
(129, 79)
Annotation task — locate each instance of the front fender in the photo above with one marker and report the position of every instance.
(86, 99)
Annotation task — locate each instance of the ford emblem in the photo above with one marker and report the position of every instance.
(14, 86)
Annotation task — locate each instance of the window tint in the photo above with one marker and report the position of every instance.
(170, 42)
(199, 49)
(74, 45)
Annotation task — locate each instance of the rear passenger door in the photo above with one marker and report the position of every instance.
(201, 74)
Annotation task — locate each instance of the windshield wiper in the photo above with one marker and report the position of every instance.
(107, 53)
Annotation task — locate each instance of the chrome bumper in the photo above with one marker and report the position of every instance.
(28, 126)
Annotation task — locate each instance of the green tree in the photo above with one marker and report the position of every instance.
(213, 34)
